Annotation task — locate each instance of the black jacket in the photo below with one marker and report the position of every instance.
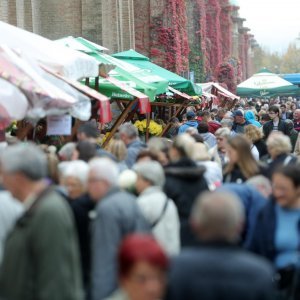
(184, 182)
(219, 271)
(81, 208)
(268, 128)
(261, 148)
(280, 160)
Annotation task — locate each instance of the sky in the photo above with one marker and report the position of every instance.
(274, 23)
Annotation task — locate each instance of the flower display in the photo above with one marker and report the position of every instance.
(154, 128)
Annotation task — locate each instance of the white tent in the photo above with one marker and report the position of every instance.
(65, 61)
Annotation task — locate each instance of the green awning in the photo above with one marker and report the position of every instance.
(175, 81)
(149, 84)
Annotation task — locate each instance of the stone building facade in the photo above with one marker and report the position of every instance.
(177, 34)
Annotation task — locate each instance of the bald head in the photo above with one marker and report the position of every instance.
(218, 216)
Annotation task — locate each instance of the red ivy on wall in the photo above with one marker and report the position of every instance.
(225, 74)
(213, 33)
(169, 44)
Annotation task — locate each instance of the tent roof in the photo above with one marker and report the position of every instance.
(292, 78)
(180, 83)
(150, 84)
(266, 84)
(130, 54)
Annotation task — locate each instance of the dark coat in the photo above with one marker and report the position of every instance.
(82, 207)
(219, 271)
(41, 257)
(235, 176)
(268, 128)
(184, 182)
(280, 160)
(261, 148)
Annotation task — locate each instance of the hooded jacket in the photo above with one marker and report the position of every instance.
(250, 117)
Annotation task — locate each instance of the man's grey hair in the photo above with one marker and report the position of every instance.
(151, 171)
(105, 169)
(25, 158)
(129, 130)
(220, 215)
(227, 123)
(67, 150)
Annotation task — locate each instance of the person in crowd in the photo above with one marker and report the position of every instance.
(88, 131)
(142, 269)
(208, 137)
(75, 179)
(276, 236)
(160, 147)
(229, 115)
(264, 118)
(228, 123)
(241, 165)
(213, 171)
(253, 201)
(292, 133)
(262, 184)
(250, 117)
(296, 116)
(255, 136)
(275, 124)
(195, 273)
(192, 131)
(220, 114)
(285, 114)
(191, 122)
(184, 181)
(297, 147)
(53, 162)
(239, 121)
(10, 211)
(66, 151)
(85, 150)
(213, 125)
(158, 209)
(218, 153)
(118, 149)
(279, 148)
(130, 136)
(146, 155)
(43, 244)
(173, 131)
(117, 214)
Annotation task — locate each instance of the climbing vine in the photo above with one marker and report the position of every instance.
(169, 38)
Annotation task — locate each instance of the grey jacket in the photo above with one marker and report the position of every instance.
(117, 215)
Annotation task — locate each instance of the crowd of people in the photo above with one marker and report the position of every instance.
(211, 211)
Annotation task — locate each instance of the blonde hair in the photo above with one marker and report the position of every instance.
(117, 148)
(279, 143)
(246, 162)
(253, 133)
